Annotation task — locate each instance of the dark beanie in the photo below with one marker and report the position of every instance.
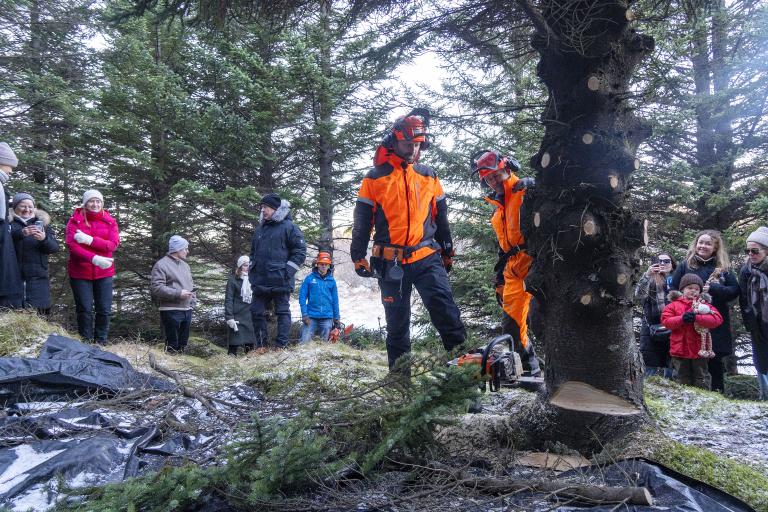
(691, 279)
(272, 200)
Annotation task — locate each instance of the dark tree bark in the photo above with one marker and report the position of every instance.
(577, 223)
(324, 111)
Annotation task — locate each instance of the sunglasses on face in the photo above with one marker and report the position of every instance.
(753, 250)
(665, 261)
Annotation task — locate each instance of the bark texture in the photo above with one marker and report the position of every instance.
(577, 222)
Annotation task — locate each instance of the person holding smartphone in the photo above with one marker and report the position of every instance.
(34, 241)
(652, 291)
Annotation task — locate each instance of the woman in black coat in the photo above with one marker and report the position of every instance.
(753, 279)
(652, 290)
(708, 258)
(33, 241)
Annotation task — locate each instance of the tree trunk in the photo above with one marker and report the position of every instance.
(714, 136)
(576, 220)
(325, 193)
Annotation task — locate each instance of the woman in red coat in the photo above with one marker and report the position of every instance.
(92, 236)
(689, 316)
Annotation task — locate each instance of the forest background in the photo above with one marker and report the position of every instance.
(184, 117)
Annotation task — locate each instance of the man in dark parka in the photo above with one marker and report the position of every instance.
(277, 252)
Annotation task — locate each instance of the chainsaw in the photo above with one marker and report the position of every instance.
(339, 332)
(500, 366)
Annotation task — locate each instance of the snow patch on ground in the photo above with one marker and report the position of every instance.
(26, 459)
(737, 429)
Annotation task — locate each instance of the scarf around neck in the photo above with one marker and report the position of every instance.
(757, 287)
(246, 293)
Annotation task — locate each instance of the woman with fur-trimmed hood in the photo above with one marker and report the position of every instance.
(33, 240)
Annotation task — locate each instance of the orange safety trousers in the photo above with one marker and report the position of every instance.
(515, 300)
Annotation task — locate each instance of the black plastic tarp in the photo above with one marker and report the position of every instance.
(671, 491)
(69, 368)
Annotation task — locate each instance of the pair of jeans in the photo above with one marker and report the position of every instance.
(93, 295)
(323, 325)
(176, 325)
(282, 311)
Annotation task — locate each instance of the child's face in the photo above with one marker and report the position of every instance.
(691, 291)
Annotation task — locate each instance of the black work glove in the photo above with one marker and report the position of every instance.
(337, 324)
(362, 268)
(448, 261)
(523, 183)
(689, 317)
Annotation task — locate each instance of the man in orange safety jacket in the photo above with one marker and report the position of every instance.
(507, 192)
(404, 203)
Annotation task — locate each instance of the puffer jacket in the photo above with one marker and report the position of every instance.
(103, 228)
(319, 297)
(685, 342)
(32, 256)
(724, 290)
(277, 252)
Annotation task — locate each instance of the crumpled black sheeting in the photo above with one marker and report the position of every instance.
(68, 368)
(671, 491)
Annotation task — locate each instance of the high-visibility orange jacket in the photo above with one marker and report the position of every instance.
(506, 217)
(514, 262)
(406, 206)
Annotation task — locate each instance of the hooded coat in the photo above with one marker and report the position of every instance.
(106, 237)
(32, 257)
(723, 290)
(277, 252)
(319, 296)
(685, 342)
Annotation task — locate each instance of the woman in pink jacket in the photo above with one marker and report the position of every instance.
(92, 236)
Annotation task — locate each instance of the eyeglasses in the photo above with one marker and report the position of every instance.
(664, 261)
(753, 250)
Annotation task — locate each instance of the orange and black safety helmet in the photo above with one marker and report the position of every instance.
(411, 127)
(323, 257)
(488, 161)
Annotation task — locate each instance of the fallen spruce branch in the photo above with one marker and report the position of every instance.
(582, 493)
(186, 391)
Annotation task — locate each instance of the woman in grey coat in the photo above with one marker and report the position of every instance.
(237, 309)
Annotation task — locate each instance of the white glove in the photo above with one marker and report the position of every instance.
(82, 238)
(703, 309)
(232, 324)
(102, 262)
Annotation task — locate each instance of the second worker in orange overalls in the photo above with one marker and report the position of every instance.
(507, 192)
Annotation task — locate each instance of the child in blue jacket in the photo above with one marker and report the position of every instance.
(319, 300)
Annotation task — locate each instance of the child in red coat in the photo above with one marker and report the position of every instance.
(689, 316)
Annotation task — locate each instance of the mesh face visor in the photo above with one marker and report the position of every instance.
(411, 129)
(488, 162)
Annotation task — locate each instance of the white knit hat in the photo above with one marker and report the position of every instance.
(242, 260)
(760, 236)
(90, 194)
(7, 156)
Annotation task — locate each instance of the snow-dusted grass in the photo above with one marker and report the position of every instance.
(22, 333)
(737, 429)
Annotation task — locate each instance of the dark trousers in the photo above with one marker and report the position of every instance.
(431, 281)
(717, 371)
(93, 295)
(176, 326)
(527, 353)
(691, 372)
(282, 312)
